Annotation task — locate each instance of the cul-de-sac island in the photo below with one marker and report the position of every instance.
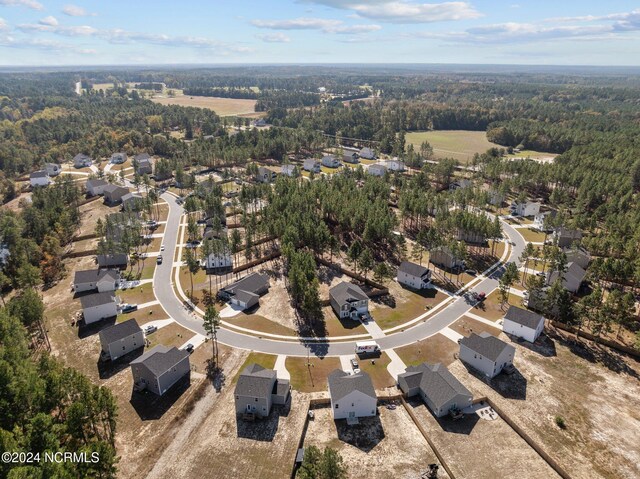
(320, 271)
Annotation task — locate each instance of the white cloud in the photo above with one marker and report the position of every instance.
(278, 37)
(323, 24)
(3, 24)
(50, 21)
(67, 31)
(405, 11)
(76, 11)
(23, 3)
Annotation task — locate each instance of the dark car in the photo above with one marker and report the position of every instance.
(129, 308)
(189, 348)
(159, 259)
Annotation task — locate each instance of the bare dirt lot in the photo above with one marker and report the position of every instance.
(435, 349)
(595, 391)
(222, 106)
(388, 445)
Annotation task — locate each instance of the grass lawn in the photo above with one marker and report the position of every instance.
(143, 269)
(329, 171)
(267, 361)
(378, 371)
(491, 308)
(531, 236)
(435, 349)
(466, 325)
(534, 155)
(458, 144)
(387, 317)
(341, 327)
(137, 295)
(170, 335)
(260, 324)
(312, 377)
(144, 315)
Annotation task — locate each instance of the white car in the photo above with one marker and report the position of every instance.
(161, 247)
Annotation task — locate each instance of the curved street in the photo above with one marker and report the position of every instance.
(165, 293)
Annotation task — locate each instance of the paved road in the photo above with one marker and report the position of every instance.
(163, 285)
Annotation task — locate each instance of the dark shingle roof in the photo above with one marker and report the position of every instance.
(142, 157)
(486, 345)
(96, 182)
(120, 331)
(252, 284)
(97, 299)
(255, 381)
(94, 275)
(437, 383)
(112, 259)
(39, 174)
(347, 292)
(342, 384)
(524, 317)
(413, 269)
(160, 359)
(120, 190)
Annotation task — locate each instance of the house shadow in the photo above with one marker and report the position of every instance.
(387, 299)
(365, 435)
(107, 369)
(150, 407)
(86, 330)
(463, 425)
(509, 386)
(544, 345)
(263, 429)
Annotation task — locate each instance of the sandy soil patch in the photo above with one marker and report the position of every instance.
(222, 106)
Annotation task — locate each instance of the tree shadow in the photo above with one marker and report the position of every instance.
(365, 435)
(107, 369)
(262, 429)
(150, 406)
(216, 375)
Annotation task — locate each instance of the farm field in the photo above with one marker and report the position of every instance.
(222, 106)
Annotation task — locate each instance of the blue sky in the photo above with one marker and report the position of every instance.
(569, 32)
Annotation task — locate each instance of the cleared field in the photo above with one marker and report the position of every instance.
(222, 106)
(311, 376)
(435, 349)
(458, 144)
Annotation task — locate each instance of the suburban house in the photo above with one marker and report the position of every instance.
(52, 169)
(566, 237)
(352, 395)
(469, 236)
(95, 187)
(496, 197)
(486, 353)
(142, 164)
(395, 165)
(578, 255)
(247, 291)
(160, 368)
(118, 158)
(39, 178)
(220, 259)
(98, 306)
(118, 260)
(288, 170)
(348, 300)
(377, 170)
(259, 122)
(350, 158)
(367, 154)
(265, 175)
(572, 278)
(113, 193)
(330, 161)
(460, 184)
(132, 202)
(4, 253)
(96, 279)
(442, 256)
(524, 208)
(523, 323)
(413, 275)
(81, 160)
(311, 164)
(121, 339)
(438, 388)
(541, 220)
(258, 389)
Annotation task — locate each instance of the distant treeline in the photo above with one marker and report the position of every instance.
(241, 93)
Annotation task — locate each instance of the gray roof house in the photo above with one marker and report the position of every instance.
(113, 194)
(523, 323)
(566, 237)
(352, 395)
(414, 275)
(142, 164)
(96, 279)
(121, 339)
(265, 175)
(160, 368)
(39, 178)
(580, 256)
(81, 160)
(572, 278)
(377, 170)
(99, 306)
(442, 256)
(348, 300)
(330, 161)
(486, 353)
(258, 389)
(52, 169)
(95, 187)
(246, 292)
(460, 184)
(350, 158)
(118, 158)
(288, 170)
(311, 164)
(367, 154)
(117, 260)
(438, 388)
(132, 202)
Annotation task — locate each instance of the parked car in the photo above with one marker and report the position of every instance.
(129, 308)
(189, 348)
(471, 272)
(150, 329)
(161, 247)
(159, 259)
(354, 364)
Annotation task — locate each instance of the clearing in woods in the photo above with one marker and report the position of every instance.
(458, 144)
(222, 106)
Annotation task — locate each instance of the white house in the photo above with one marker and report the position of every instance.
(395, 164)
(118, 158)
(288, 170)
(413, 275)
(95, 187)
(377, 170)
(221, 258)
(311, 164)
(96, 279)
(352, 396)
(330, 161)
(121, 339)
(98, 306)
(39, 178)
(348, 300)
(259, 123)
(524, 209)
(367, 154)
(81, 160)
(523, 323)
(572, 278)
(486, 353)
(52, 169)
(543, 217)
(442, 256)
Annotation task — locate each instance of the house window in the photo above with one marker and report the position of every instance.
(256, 399)
(337, 406)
